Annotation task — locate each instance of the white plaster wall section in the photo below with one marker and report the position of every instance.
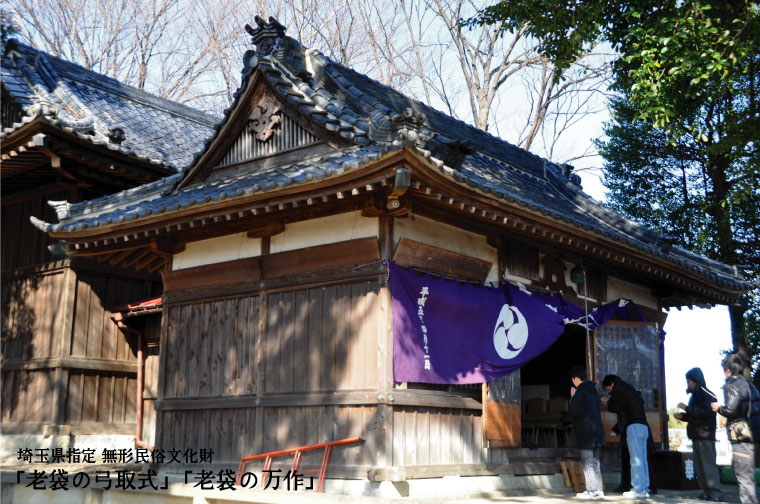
(323, 231)
(216, 250)
(438, 234)
(617, 289)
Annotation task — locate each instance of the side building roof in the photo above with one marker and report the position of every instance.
(99, 109)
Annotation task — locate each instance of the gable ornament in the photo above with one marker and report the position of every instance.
(264, 118)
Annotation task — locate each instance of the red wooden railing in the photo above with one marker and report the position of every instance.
(268, 456)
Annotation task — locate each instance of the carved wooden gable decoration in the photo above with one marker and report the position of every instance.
(268, 131)
(280, 115)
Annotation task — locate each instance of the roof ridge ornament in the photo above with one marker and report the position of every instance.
(62, 208)
(267, 35)
(272, 43)
(399, 129)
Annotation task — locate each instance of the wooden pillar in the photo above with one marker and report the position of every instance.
(159, 417)
(258, 419)
(385, 345)
(63, 347)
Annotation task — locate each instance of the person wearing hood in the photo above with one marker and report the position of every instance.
(586, 413)
(700, 427)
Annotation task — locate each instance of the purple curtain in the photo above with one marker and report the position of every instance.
(450, 332)
(447, 331)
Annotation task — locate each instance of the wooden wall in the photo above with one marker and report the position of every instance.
(24, 393)
(33, 321)
(94, 333)
(435, 436)
(238, 389)
(322, 339)
(65, 363)
(23, 244)
(96, 396)
(263, 369)
(209, 348)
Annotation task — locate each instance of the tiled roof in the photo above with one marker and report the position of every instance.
(157, 198)
(94, 106)
(378, 119)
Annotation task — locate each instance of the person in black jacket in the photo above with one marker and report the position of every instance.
(586, 413)
(625, 399)
(700, 428)
(738, 393)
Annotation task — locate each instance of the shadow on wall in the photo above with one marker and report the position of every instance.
(319, 347)
(37, 309)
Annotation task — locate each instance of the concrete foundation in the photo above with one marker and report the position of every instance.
(336, 491)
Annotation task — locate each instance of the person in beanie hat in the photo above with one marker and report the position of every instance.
(585, 411)
(700, 427)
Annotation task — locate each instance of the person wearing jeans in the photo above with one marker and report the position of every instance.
(637, 435)
(585, 410)
(625, 400)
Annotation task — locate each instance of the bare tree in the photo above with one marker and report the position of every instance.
(192, 52)
(507, 86)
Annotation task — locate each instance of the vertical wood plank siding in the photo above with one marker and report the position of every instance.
(22, 390)
(101, 397)
(317, 340)
(94, 334)
(35, 325)
(32, 321)
(23, 244)
(288, 135)
(232, 433)
(210, 348)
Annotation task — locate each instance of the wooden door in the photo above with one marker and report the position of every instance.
(502, 425)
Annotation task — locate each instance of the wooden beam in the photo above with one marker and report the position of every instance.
(320, 258)
(137, 256)
(158, 265)
(338, 398)
(420, 398)
(120, 256)
(147, 260)
(385, 344)
(322, 279)
(162, 247)
(241, 271)
(437, 260)
(267, 230)
(293, 266)
(110, 365)
(121, 247)
(434, 399)
(42, 143)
